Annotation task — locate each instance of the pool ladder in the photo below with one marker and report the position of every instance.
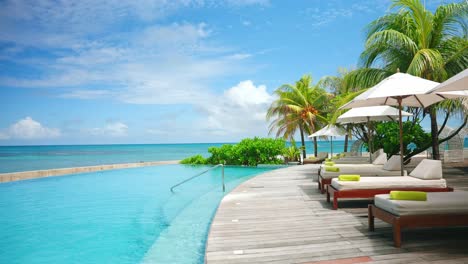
(201, 173)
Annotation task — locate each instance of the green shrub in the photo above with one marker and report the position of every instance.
(388, 137)
(292, 153)
(250, 151)
(197, 159)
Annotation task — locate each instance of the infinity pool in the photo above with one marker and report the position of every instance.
(119, 216)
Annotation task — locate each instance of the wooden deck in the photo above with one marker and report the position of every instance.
(280, 217)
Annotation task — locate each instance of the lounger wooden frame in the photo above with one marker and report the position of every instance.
(323, 183)
(413, 221)
(370, 193)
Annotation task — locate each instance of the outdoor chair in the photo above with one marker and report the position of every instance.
(441, 209)
(380, 167)
(427, 177)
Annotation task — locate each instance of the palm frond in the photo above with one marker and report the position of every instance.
(429, 64)
(422, 19)
(363, 78)
(449, 20)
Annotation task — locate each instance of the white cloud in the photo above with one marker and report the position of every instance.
(152, 63)
(239, 56)
(171, 64)
(50, 23)
(87, 94)
(4, 136)
(240, 110)
(113, 129)
(246, 94)
(28, 128)
(322, 14)
(175, 36)
(117, 129)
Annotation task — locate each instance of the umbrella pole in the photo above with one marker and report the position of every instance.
(370, 139)
(401, 135)
(331, 145)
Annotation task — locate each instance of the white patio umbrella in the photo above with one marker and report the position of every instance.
(368, 114)
(399, 89)
(458, 82)
(330, 131)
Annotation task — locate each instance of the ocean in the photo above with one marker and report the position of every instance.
(25, 158)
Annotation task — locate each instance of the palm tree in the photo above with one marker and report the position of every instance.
(343, 94)
(414, 40)
(298, 107)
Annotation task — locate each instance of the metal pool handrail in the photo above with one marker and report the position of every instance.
(201, 173)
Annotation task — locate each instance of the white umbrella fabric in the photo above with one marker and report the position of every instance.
(458, 82)
(399, 89)
(330, 131)
(370, 113)
(411, 90)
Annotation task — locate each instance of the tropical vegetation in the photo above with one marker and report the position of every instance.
(299, 107)
(387, 137)
(412, 39)
(248, 152)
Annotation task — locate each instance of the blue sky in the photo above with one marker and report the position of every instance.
(87, 72)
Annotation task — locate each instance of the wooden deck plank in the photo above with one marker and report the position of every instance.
(280, 217)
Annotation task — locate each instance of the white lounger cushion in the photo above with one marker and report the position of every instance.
(361, 169)
(380, 160)
(377, 154)
(428, 169)
(363, 160)
(387, 183)
(393, 163)
(437, 203)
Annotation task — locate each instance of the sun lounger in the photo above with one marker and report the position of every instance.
(321, 156)
(380, 167)
(358, 159)
(440, 209)
(427, 176)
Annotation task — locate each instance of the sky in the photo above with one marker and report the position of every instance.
(159, 71)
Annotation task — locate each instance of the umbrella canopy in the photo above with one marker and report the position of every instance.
(410, 89)
(370, 113)
(458, 82)
(330, 131)
(399, 89)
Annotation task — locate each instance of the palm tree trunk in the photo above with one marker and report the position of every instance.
(302, 142)
(434, 134)
(315, 147)
(345, 143)
(346, 139)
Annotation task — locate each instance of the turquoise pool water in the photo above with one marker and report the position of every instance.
(118, 216)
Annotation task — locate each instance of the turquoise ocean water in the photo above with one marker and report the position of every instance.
(24, 158)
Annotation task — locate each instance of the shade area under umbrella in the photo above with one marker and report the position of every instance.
(330, 131)
(370, 113)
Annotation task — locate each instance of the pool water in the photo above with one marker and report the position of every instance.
(118, 216)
